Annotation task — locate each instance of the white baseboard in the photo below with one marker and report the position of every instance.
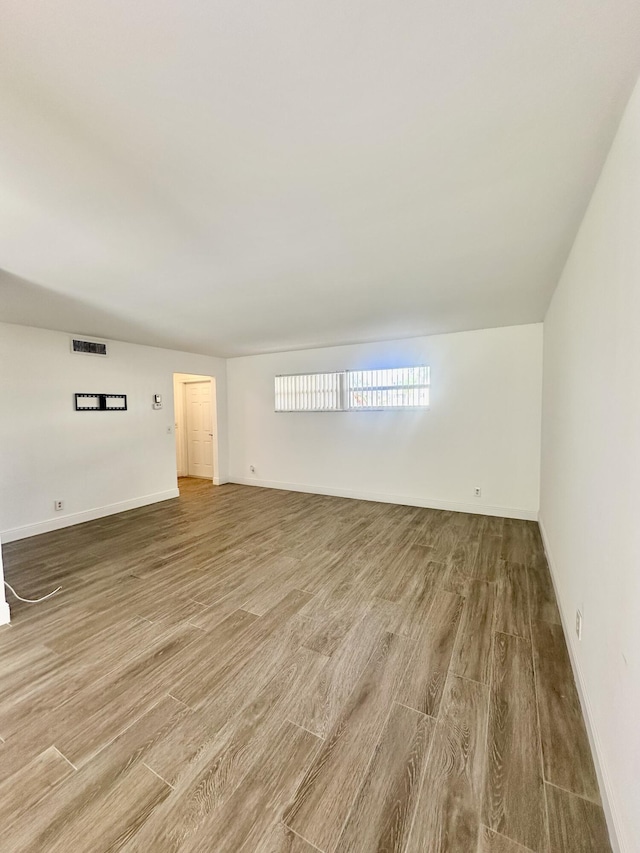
(404, 500)
(5, 615)
(606, 790)
(87, 515)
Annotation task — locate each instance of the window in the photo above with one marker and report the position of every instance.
(309, 392)
(393, 388)
(353, 390)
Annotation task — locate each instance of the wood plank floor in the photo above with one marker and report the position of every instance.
(260, 671)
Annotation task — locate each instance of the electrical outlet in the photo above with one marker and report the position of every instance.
(252, 468)
(58, 505)
(477, 492)
(578, 624)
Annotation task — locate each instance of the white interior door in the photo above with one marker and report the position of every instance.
(199, 429)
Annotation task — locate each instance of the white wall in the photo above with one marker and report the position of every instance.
(96, 462)
(4, 606)
(590, 503)
(179, 422)
(483, 427)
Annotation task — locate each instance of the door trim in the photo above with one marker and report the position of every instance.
(182, 459)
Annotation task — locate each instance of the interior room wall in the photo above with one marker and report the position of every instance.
(179, 418)
(96, 462)
(482, 429)
(4, 607)
(591, 468)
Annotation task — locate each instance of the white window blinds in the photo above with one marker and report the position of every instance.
(392, 388)
(353, 390)
(309, 392)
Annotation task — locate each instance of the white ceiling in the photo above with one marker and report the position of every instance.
(235, 176)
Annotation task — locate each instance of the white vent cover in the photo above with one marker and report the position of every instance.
(88, 347)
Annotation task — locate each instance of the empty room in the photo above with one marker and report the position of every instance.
(319, 427)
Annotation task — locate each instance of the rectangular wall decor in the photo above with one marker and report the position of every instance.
(101, 402)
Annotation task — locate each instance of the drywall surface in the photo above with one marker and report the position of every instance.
(482, 428)
(590, 513)
(4, 607)
(96, 462)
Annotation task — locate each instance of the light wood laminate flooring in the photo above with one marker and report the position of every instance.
(261, 671)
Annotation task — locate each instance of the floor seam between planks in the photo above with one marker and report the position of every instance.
(62, 755)
(572, 793)
(162, 779)
(306, 840)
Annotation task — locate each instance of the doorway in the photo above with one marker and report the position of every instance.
(195, 426)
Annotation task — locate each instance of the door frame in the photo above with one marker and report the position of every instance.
(180, 382)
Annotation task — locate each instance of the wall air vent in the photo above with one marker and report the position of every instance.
(88, 347)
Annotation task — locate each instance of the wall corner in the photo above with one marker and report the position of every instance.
(5, 613)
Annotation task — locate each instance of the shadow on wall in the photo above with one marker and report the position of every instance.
(29, 304)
